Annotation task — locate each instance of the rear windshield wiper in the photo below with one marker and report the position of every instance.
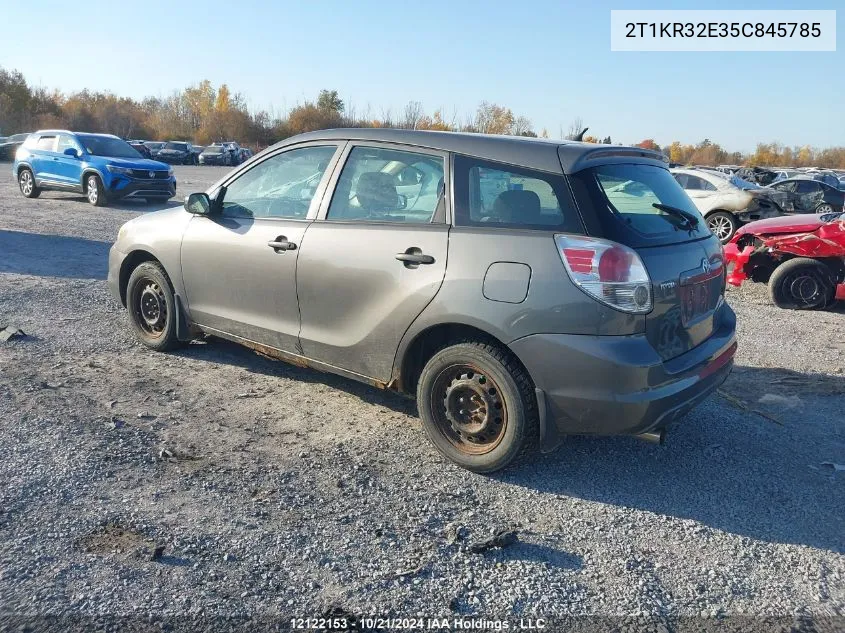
(686, 216)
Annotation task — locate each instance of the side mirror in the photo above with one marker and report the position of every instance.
(198, 204)
(73, 153)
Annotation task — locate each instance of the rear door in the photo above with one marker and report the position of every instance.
(685, 262)
(239, 263)
(375, 258)
(42, 159)
(68, 168)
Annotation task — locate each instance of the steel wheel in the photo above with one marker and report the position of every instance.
(720, 226)
(150, 306)
(93, 190)
(468, 409)
(802, 284)
(806, 288)
(27, 184)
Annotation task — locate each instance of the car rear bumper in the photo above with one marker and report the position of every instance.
(618, 385)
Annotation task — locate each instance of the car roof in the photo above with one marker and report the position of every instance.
(77, 133)
(538, 153)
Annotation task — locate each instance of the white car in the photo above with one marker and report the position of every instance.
(727, 202)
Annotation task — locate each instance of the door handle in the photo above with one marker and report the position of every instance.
(281, 244)
(414, 257)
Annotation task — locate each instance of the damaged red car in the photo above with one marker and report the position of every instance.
(801, 257)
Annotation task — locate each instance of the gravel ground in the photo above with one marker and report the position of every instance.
(277, 491)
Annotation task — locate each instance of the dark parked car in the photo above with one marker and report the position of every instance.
(806, 195)
(569, 305)
(142, 149)
(101, 166)
(155, 147)
(177, 153)
(216, 155)
(9, 147)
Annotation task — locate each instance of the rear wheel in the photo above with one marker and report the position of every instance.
(802, 284)
(26, 182)
(94, 191)
(723, 225)
(152, 307)
(824, 208)
(478, 406)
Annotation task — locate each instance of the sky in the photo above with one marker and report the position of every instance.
(548, 60)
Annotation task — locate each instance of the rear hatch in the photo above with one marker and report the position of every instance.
(683, 259)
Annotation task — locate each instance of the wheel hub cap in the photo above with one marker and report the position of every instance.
(473, 408)
(806, 289)
(152, 306)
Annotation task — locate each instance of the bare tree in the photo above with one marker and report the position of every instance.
(413, 114)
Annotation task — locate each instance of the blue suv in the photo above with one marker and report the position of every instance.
(101, 166)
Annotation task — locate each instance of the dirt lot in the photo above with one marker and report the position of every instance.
(279, 492)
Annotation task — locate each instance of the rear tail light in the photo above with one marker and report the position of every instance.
(610, 272)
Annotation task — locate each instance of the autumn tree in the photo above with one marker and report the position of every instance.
(649, 144)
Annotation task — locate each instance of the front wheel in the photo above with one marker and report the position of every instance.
(723, 225)
(26, 182)
(94, 191)
(152, 307)
(802, 284)
(478, 406)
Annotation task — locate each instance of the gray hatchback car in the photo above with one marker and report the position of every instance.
(521, 289)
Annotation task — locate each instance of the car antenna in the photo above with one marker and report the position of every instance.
(580, 136)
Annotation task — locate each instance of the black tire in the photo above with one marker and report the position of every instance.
(152, 307)
(26, 183)
(504, 424)
(802, 284)
(94, 190)
(722, 224)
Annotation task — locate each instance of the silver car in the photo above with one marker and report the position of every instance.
(521, 289)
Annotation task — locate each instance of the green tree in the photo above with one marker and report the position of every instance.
(329, 101)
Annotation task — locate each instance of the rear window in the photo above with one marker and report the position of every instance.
(617, 202)
(497, 195)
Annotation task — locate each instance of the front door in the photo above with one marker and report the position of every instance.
(239, 263)
(374, 259)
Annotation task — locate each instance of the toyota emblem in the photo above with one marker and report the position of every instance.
(153, 175)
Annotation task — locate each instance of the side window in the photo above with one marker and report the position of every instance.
(807, 186)
(282, 186)
(496, 195)
(387, 185)
(66, 142)
(682, 179)
(707, 185)
(46, 143)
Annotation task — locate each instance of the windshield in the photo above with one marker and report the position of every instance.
(107, 146)
(216, 149)
(623, 198)
(182, 147)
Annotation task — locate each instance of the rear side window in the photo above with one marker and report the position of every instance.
(386, 185)
(496, 195)
(46, 143)
(618, 200)
(699, 184)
